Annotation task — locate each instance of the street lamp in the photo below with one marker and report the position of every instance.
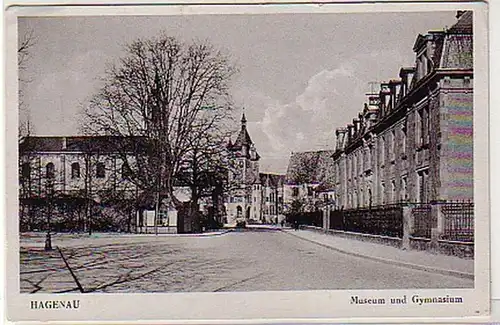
(50, 197)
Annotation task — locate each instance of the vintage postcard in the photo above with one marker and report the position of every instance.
(240, 163)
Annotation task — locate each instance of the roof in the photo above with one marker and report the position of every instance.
(463, 25)
(242, 139)
(311, 167)
(457, 50)
(272, 180)
(103, 144)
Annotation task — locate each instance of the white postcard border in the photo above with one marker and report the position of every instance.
(256, 307)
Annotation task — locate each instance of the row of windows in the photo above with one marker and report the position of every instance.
(421, 190)
(362, 159)
(310, 191)
(100, 170)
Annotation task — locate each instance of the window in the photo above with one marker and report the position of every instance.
(393, 191)
(126, 172)
(26, 170)
(295, 191)
(100, 170)
(422, 186)
(426, 126)
(75, 170)
(393, 144)
(419, 128)
(382, 151)
(403, 138)
(370, 155)
(354, 165)
(49, 170)
(310, 191)
(404, 187)
(382, 193)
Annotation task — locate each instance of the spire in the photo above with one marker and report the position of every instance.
(243, 120)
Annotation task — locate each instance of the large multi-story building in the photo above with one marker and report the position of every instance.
(413, 140)
(251, 195)
(75, 174)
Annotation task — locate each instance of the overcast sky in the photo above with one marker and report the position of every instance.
(301, 75)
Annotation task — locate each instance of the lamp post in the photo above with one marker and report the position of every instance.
(50, 198)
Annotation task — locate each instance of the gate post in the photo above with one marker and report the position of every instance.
(407, 227)
(437, 226)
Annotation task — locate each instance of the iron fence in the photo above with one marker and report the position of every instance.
(388, 220)
(458, 220)
(314, 218)
(384, 220)
(423, 221)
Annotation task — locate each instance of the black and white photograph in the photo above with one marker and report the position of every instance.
(228, 154)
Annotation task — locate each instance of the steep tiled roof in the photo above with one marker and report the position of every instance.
(242, 139)
(273, 179)
(457, 51)
(463, 25)
(311, 167)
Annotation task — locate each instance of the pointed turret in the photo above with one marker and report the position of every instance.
(243, 121)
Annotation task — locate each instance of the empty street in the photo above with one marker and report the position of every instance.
(234, 261)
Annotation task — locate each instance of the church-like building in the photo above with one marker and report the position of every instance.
(251, 195)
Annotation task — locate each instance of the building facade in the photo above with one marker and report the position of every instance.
(72, 176)
(310, 183)
(252, 195)
(413, 141)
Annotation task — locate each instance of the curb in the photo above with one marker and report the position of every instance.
(210, 234)
(464, 275)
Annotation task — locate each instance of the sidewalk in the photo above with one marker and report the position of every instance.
(420, 260)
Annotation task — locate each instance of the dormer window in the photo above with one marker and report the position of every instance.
(421, 66)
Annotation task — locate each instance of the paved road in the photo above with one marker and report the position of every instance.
(236, 261)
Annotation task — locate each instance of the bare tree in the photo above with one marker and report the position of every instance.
(163, 95)
(204, 170)
(25, 44)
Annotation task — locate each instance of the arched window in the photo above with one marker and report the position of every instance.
(239, 211)
(126, 172)
(49, 170)
(100, 170)
(26, 170)
(75, 170)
